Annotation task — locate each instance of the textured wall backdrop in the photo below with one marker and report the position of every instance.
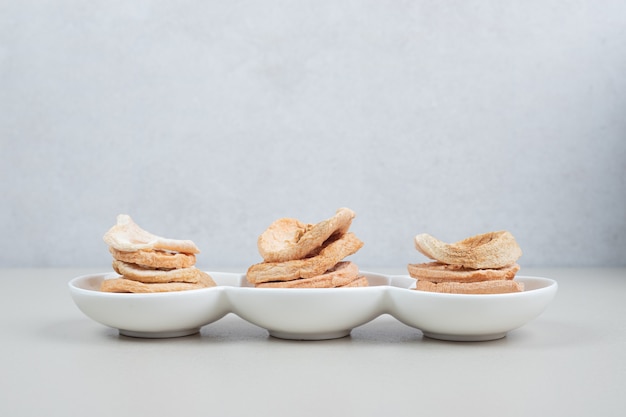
(208, 120)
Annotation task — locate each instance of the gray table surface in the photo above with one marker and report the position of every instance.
(570, 361)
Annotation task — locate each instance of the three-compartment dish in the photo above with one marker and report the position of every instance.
(313, 313)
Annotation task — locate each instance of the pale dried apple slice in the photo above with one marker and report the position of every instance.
(127, 236)
(438, 272)
(485, 251)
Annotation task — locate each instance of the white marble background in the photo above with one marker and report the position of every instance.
(208, 120)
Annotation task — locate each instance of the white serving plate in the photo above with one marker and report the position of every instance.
(313, 313)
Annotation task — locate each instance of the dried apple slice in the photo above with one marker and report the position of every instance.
(288, 239)
(127, 236)
(485, 251)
